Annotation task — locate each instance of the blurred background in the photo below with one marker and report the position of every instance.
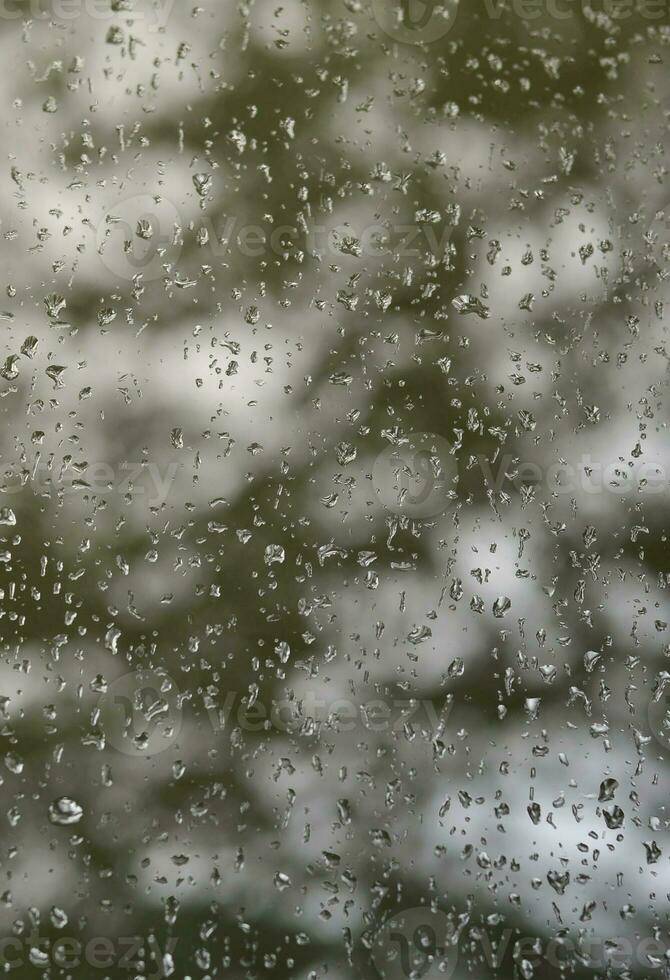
(333, 488)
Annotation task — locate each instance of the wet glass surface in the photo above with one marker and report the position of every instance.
(334, 489)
